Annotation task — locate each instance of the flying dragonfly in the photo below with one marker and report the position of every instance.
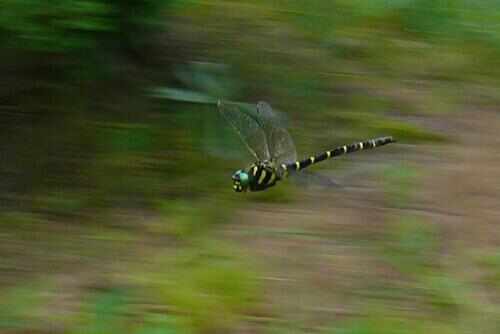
(262, 131)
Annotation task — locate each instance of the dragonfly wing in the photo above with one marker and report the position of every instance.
(281, 146)
(248, 128)
(309, 179)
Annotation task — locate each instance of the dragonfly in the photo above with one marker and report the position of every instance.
(263, 132)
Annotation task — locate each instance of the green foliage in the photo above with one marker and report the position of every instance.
(400, 184)
(281, 327)
(108, 312)
(105, 313)
(67, 204)
(490, 263)
(410, 246)
(56, 26)
(18, 219)
(128, 138)
(373, 124)
(161, 324)
(65, 25)
(379, 322)
(211, 285)
(444, 293)
(20, 306)
(184, 220)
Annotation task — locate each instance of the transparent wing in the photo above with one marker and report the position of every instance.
(248, 128)
(281, 146)
(309, 179)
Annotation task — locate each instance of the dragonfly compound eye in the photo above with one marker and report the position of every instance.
(240, 180)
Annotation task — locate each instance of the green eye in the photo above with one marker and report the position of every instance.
(240, 180)
(243, 178)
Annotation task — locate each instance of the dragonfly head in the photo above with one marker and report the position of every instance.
(240, 181)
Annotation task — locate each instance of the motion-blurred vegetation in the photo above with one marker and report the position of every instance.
(114, 175)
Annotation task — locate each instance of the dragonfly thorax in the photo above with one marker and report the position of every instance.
(258, 176)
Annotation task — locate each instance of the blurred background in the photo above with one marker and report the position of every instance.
(117, 213)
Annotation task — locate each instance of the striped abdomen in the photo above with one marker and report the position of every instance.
(368, 144)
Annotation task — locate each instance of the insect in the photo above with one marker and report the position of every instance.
(262, 131)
